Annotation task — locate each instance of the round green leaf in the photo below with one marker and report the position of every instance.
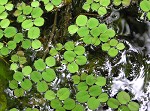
(26, 70)
(81, 60)
(69, 104)
(95, 6)
(72, 67)
(100, 81)
(49, 7)
(35, 4)
(53, 52)
(19, 92)
(123, 97)
(133, 106)
(69, 56)
(63, 93)
(4, 51)
(55, 103)
(113, 42)
(82, 86)
(33, 33)
(42, 86)
(78, 107)
(13, 84)
(26, 84)
(95, 31)
(27, 10)
(86, 6)
(120, 46)
(36, 44)
(3, 15)
(10, 32)
(87, 39)
(26, 44)
(104, 37)
(4, 23)
(9, 7)
(40, 64)
(27, 24)
(90, 79)
(81, 20)
(39, 21)
(76, 79)
(103, 97)
(123, 108)
(102, 11)
(96, 41)
(36, 76)
(56, 2)
(11, 45)
(49, 75)
(3, 2)
(69, 45)
(50, 61)
(82, 96)
(21, 18)
(145, 5)
(73, 29)
(83, 31)
(49, 95)
(79, 50)
(18, 76)
(117, 2)
(37, 12)
(105, 47)
(14, 66)
(103, 28)
(1, 33)
(113, 103)
(95, 90)
(93, 103)
(113, 52)
(2, 9)
(92, 23)
(18, 37)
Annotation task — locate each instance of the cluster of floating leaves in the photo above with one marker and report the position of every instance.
(99, 6)
(145, 6)
(42, 73)
(123, 2)
(93, 32)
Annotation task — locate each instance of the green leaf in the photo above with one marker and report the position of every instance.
(82, 96)
(79, 50)
(95, 6)
(33, 33)
(69, 45)
(59, 46)
(102, 11)
(111, 33)
(95, 32)
(49, 75)
(26, 70)
(105, 47)
(55, 103)
(81, 20)
(11, 45)
(49, 7)
(120, 46)
(78, 107)
(86, 6)
(27, 10)
(72, 29)
(76, 79)
(4, 23)
(49, 95)
(103, 28)
(10, 32)
(3, 2)
(2, 9)
(81, 60)
(27, 24)
(148, 15)
(73, 67)
(83, 31)
(26, 84)
(90, 79)
(92, 23)
(113, 103)
(4, 51)
(133, 106)
(87, 39)
(53, 52)
(35, 4)
(93, 103)
(96, 41)
(103, 97)
(83, 76)
(1, 33)
(105, 3)
(39, 21)
(123, 108)
(63, 93)
(113, 42)
(69, 104)
(50, 61)
(13, 84)
(36, 44)
(69, 56)
(1, 45)
(42, 86)
(56, 2)
(18, 37)
(100, 81)
(123, 97)
(26, 44)
(95, 90)
(14, 58)
(19, 92)
(117, 2)
(113, 52)
(36, 76)
(36, 12)
(40, 64)
(21, 18)
(18, 76)
(14, 66)
(3, 15)
(104, 37)
(82, 86)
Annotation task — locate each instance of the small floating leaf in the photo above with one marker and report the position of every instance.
(113, 52)
(78, 107)
(56, 2)
(82, 86)
(76, 79)
(18, 76)
(120, 46)
(49, 75)
(50, 61)
(36, 44)
(123, 97)
(4, 23)
(113, 42)
(100, 81)
(27, 24)
(40, 64)
(63, 93)
(83, 31)
(79, 50)
(26, 70)
(49, 95)
(95, 90)
(19, 92)
(113, 103)
(37, 12)
(55, 103)
(133, 106)
(82, 96)
(69, 56)
(36, 76)
(10, 32)
(49, 7)
(42, 86)
(92, 23)
(26, 84)
(39, 21)
(90, 79)
(13, 84)
(81, 20)
(69, 104)
(34, 32)
(93, 103)
(72, 29)
(103, 97)
(69, 45)
(81, 60)
(72, 67)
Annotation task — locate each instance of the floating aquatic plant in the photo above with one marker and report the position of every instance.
(145, 6)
